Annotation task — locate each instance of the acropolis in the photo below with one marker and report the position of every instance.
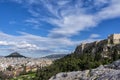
(105, 46)
(114, 39)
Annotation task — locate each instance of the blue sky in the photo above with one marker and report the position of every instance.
(37, 28)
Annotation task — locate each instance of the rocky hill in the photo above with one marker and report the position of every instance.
(106, 47)
(15, 54)
(106, 72)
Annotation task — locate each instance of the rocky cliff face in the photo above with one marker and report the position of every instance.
(106, 72)
(98, 47)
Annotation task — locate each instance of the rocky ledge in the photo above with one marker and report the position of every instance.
(103, 72)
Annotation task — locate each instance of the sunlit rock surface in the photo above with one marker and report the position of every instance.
(106, 72)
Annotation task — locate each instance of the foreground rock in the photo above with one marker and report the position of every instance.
(106, 72)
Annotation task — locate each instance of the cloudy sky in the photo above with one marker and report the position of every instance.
(41, 27)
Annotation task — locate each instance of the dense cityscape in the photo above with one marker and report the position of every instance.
(15, 66)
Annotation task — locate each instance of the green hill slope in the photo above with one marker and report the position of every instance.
(73, 62)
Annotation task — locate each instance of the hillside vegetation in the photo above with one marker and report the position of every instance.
(74, 62)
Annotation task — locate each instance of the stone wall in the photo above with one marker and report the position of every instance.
(114, 39)
(105, 47)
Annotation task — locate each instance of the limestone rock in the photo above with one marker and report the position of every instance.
(105, 47)
(107, 72)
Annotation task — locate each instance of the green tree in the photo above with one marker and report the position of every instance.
(10, 68)
(115, 55)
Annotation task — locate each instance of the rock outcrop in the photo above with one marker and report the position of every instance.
(106, 72)
(105, 47)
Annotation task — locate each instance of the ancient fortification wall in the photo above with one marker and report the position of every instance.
(105, 46)
(114, 39)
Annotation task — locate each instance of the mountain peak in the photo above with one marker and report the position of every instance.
(15, 54)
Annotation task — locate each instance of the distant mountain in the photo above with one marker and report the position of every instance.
(15, 54)
(55, 56)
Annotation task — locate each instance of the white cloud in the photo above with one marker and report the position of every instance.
(19, 45)
(18, 1)
(73, 24)
(34, 13)
(62, 2)
(94, 36)
(35, 44)
(26, 45)
(100, 3)
(12, 22)
(34, 21)
(72, 19)
(4, 43)
(112, 11)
